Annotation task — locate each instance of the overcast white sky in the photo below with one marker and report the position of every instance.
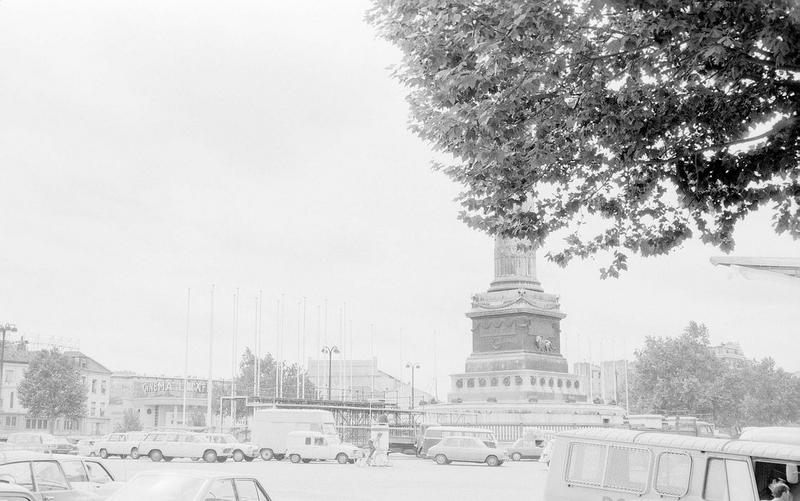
(149, 147)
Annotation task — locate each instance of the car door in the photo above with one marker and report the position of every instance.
(51, 483)
(476, 450)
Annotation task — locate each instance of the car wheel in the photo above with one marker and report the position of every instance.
(294, 458)
(441, 459)
(342, 458)
(493, 461)
(134, 453)
(210, 456)
(516, 456)
(267, 454)
(103, 453)
(238, 456)
(306, 460)
(155, 455)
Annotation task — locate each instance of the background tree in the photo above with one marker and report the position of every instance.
(51, 388)
(130, 421)
(682, 376)
(631, 115)
(676, 375)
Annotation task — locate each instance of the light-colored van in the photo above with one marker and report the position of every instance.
(168, 445)
(119, 444)
(270, 428)
(434, 434)
(613, 464)
(307, 446)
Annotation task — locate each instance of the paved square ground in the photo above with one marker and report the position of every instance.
(407, 478)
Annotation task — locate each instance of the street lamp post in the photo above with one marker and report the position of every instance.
(4, 328)
(330, 350)
(413, 366)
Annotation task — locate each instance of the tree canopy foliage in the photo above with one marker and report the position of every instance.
(268, 368)
(683, 376)
(626, 125)
(51, 387)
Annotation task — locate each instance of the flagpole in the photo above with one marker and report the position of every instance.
(210, 385)
(186, 355)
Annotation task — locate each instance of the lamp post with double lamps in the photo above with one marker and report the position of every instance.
(413, 366)
(330, 350)
(4, 328)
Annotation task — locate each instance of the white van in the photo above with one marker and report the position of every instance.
(307, 446)
(611, 464)
(270, 427)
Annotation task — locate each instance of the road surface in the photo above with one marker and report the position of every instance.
(407, 479)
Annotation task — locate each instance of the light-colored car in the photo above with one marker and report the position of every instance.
(467, 449)
(14, 492)
(168, 445)
(120, 444)
(242, 451)
(190, 486)
(40, 442)
(526, 449)
(57, 477)
(307, 446)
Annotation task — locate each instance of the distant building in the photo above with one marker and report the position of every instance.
(362, 380)
(729, 352)
(158, 400)
(15, 417)
(608, 380)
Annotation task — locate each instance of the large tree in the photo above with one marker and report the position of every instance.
(51, 387)
(681, 375)
(621, 125)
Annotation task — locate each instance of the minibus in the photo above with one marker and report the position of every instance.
(614, 464)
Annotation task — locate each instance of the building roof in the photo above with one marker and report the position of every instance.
(91, 364)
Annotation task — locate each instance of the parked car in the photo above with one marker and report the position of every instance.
(40, 442)
(190, 486)
(467, 449)
(120, 444)
(307, 446)
(14, 492)
(57, 477)
(525, 448)
(168, 445)
(241, 450)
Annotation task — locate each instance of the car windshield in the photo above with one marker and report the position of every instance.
(159, 487)
(229, 439)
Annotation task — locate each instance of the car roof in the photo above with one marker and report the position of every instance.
(202, 473)
(707, 444)
(11, 456)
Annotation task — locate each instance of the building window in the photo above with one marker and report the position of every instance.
(102, 409)
(93, 409)
(459, 383)
(533, 380)
(35, 424)
(11, 401)
(94, 386)
(103, 387)
(9, 376)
